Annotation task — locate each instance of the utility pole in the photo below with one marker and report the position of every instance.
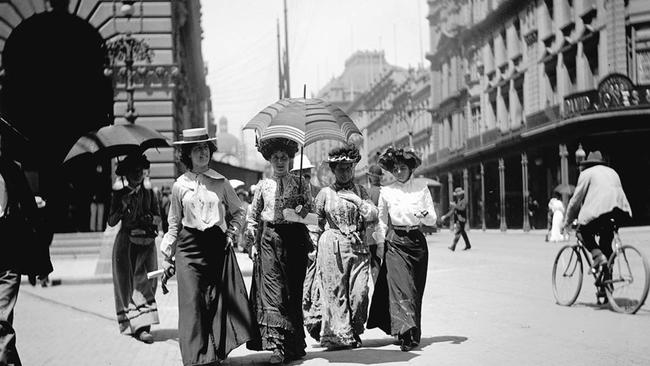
(286, 53)
(280, 76)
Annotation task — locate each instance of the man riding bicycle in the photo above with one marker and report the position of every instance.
(598, 199)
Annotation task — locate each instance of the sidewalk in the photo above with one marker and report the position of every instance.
(82, 270)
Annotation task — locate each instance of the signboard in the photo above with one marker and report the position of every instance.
(615, 92)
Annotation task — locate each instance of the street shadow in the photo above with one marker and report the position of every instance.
(162, 335)
(424, 342)
(368, 354)
(593, 305)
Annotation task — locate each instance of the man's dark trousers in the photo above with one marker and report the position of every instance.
(460, 231)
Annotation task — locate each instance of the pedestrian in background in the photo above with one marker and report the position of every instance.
(24, 248)
(305, 172)
(165, 203)
(343, 255)
(243, 195)
(458, 212)
(556, 208)
(279, 250)
(404, 207)
(375, 173)
(214, 316)
(134, 251)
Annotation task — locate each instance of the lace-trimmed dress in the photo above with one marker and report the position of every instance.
(280, 267)
(343, 260)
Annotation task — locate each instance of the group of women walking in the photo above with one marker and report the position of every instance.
(310, 254)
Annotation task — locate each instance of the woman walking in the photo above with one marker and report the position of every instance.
(404, 206)
(279, 250)
(213, 312)
(556, 208)
(134, 251)
(343, 255)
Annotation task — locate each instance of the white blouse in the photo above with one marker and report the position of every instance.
(400, 202)
(200, 201)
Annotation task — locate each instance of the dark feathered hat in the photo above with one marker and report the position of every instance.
(131, 162)
(392, 156)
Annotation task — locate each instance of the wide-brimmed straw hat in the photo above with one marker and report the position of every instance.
(131, 162)
(594, 158)
(194, 136)
(458, 191)
(391, 156)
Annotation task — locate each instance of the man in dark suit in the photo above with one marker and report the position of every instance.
(24, 248)
(458, 212)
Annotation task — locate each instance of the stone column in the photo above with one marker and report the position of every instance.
(467, 197)
(502, 194)
(450, 183)
(524, 187)
(482, 197)
(564, 170)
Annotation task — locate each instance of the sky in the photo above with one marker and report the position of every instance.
(240, 46)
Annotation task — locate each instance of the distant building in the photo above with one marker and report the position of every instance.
(362, 70)
(229, 148)
(519, 87)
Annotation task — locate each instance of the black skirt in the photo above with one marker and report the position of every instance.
(276, 290)
(396, 306)
(214, 316)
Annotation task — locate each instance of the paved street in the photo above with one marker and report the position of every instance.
(492, 305)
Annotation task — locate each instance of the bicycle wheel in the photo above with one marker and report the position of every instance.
(567, 275)
(630, 277)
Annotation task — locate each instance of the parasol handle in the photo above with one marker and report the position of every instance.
(300, 185)
(302, 147)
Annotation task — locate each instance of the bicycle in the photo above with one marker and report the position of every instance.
(623, 282)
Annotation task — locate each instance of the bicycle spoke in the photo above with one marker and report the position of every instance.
(567, 276)
(628, 284)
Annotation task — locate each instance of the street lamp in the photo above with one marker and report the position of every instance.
(127, 8)
(409, 111)
(580, 154)
(128, 50)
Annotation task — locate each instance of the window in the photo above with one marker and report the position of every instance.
(640, 51)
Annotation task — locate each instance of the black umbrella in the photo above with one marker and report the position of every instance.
(116, 140)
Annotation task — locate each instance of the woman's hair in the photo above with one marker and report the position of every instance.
(270, 146)
(343, 154)
(186, 153)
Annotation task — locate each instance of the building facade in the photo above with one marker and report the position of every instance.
(518, 87)
(362, 70)
(48, 44)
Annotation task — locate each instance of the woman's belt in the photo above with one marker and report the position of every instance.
(406, 228)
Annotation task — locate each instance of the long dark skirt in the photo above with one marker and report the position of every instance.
(213, 312)
(276, 290)
(135, 304)
(396, 306)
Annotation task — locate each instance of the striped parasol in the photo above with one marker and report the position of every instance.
(304, 121)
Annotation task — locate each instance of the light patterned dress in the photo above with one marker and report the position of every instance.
(343, 260)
